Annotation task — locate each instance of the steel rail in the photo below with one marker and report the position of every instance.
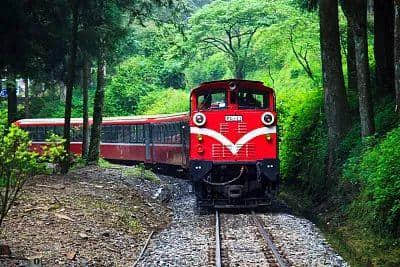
(268, 240)
(218, 261)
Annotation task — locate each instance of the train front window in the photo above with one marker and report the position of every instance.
(253, 99)
(211, 100)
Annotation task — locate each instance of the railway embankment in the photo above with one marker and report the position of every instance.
(91, 217)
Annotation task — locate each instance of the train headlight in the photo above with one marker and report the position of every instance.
(268, 118)
(199, 119)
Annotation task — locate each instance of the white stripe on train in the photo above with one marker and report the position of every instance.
(234, 148)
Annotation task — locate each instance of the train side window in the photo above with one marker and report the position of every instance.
(126, 129)
(32, 133)
(165, 133)
(58, 130)
(76, 134)
(161, 133)
(106, 134)
(155, 131)
(140, 133)
(117, 134)
(133, 134)
(41, 133)
(178, 139)
(173, 133)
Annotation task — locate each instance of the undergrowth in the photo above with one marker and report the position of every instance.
(361, 215)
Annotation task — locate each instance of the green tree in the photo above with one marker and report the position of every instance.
(229, 26)
(164, 102)
(134, 78)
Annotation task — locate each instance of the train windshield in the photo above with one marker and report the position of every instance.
(212, 100)
(253, 99)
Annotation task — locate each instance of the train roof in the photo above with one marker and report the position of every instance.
(231, 80)
(216, 84)
(107, 120)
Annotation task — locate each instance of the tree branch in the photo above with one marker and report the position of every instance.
(302, 59)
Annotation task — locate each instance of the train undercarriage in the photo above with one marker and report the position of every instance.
(233, 185)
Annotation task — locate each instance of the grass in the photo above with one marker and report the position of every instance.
(357, 243)
(106, 164)
(362, 247)
(139, 171)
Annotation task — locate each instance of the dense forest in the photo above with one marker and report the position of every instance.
(335, 65)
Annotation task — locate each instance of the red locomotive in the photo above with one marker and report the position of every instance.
(228, 142)
(233, 144)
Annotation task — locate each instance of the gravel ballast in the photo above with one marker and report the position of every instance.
(190, 239)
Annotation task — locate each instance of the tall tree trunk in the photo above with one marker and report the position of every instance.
(363, 76)
(27, 99)
(397, 53)
(351, 59)
(383, 47)
(239, 69)
(336, 105)
(70, 86)
(12, 101)
(85, 86)
(95, 134)
(356, 13)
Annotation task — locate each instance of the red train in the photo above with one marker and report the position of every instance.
(228, 142)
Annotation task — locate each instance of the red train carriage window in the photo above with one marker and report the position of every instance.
(41, 133)
(156, 133)
(32, 132)
(140, 133)
(253, 99)
(107, 134)
(212, 100)
(133, 138)
(162, 130)
(76, 134)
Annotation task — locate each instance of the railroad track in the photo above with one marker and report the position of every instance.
(270, 251)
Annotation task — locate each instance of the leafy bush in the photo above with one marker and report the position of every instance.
(17, 165)
(300, 113)
(378, 170)
(164, 102)
(54, 151)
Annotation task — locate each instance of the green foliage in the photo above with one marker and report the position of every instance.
(164, 102)
(229, 27)
(210, 68)
(17, 165)
(50, 106)
(377, 169)
(54, 151)
(106, 164)
(300, 114)
(134, 78)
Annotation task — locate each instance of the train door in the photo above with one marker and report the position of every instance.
(147, 140)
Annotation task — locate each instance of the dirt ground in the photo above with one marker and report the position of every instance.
(90, 217)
